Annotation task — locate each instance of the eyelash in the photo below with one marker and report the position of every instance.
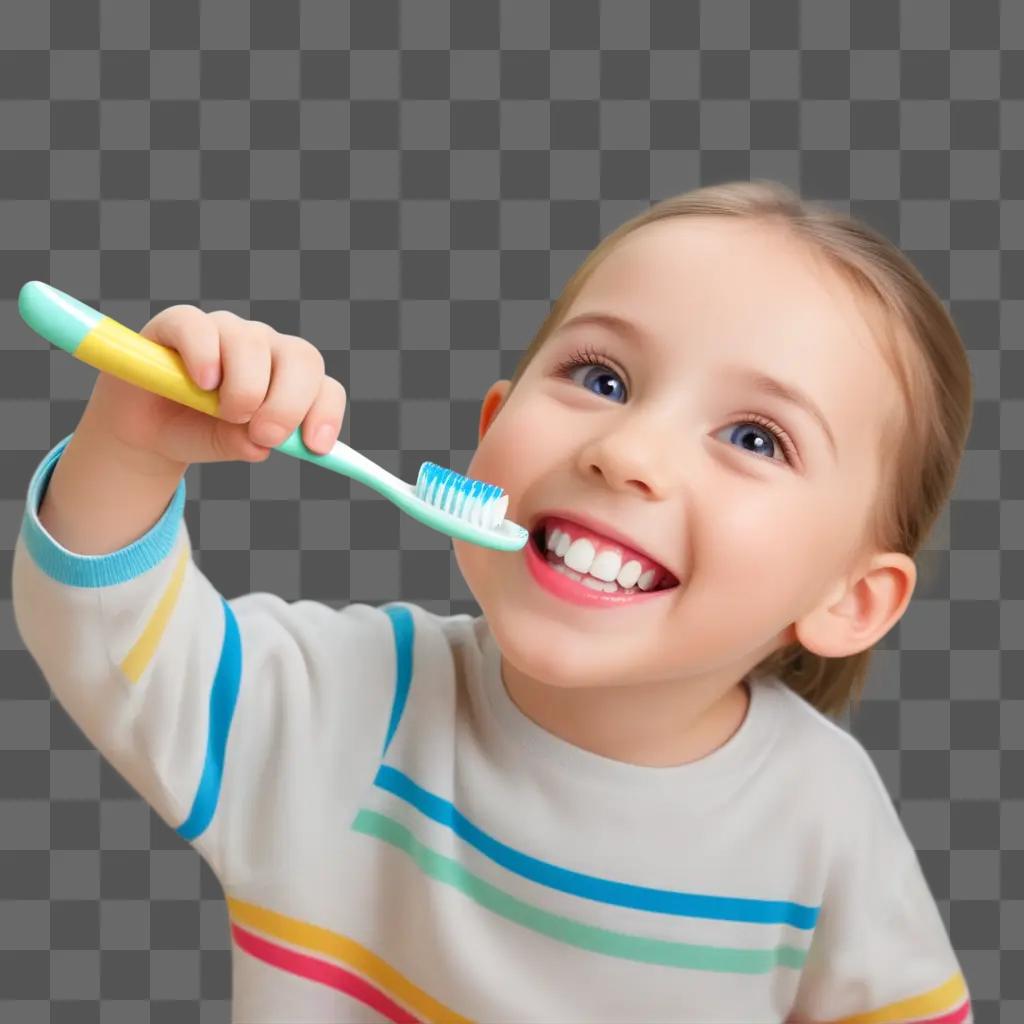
(588, 356)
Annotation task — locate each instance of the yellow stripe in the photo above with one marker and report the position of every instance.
(136, 660)
(945, 997)
(322, 940)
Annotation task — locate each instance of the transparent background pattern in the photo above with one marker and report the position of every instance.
(409, 185)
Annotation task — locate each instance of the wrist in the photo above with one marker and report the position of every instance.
(103, 494)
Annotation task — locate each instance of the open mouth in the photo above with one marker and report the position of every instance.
(629, 576)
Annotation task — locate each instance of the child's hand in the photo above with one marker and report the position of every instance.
(268, 383)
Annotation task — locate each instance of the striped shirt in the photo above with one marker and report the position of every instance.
(396, 841)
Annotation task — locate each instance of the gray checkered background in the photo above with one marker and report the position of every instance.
(408, 185)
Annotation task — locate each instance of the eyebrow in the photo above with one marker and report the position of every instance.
(760, 381)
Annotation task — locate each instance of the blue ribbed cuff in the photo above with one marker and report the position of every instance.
(95, 570)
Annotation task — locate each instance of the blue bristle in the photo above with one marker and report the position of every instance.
(452, 491)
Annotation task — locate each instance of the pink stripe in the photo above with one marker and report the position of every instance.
(318, 970)
(953, 1017)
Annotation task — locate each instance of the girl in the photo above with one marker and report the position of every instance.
(615, 795)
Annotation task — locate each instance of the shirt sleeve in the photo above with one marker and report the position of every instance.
(880, 953)
(224, 715)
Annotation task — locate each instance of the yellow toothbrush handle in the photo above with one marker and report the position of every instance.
(98, 340)
(124, 353)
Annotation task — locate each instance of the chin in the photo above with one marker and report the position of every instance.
(540, 657)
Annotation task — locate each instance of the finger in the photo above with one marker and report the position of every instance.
(245, 369)
(325, 415)
(193, 335)
(297, 372)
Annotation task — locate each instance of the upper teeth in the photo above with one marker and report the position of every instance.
(581, 555)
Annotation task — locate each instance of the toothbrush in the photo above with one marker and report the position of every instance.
(444, 500)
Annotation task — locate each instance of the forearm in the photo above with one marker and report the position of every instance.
(103, 495)
(131, 644)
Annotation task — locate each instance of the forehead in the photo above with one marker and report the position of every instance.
(737, 268)
(713, 291)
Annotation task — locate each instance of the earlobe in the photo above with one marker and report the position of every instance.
(859, 615)
(491, 405)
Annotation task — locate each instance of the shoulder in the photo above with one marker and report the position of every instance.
(842, 804)
(832, 762)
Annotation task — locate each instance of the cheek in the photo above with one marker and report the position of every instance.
(511, 452)
(771, 549)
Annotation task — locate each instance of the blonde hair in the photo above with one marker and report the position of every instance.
(920, 453)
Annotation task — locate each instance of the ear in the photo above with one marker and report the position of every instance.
(492, 403)
(857, 614)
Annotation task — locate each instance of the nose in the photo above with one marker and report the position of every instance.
(636, 457)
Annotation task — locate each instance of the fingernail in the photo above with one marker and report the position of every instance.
(324, 436)
(209, 377)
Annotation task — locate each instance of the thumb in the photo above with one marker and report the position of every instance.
(192, 436)
(234, 442)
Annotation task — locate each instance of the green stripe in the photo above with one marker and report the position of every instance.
(574, 933)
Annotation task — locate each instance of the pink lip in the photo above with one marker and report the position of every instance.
(569, 590)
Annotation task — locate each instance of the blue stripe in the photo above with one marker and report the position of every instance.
(590, 887)
(223, 697)
(404, 630)
(95, 570)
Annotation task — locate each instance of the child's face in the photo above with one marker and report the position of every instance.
(665, 451)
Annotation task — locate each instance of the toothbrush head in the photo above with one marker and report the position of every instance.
(468, 509)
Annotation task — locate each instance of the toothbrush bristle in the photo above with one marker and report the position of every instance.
(474, 501)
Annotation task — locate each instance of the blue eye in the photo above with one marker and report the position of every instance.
(763, 441)
(597, 373)
(606, 380)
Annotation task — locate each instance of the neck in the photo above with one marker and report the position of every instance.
(654, 725)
